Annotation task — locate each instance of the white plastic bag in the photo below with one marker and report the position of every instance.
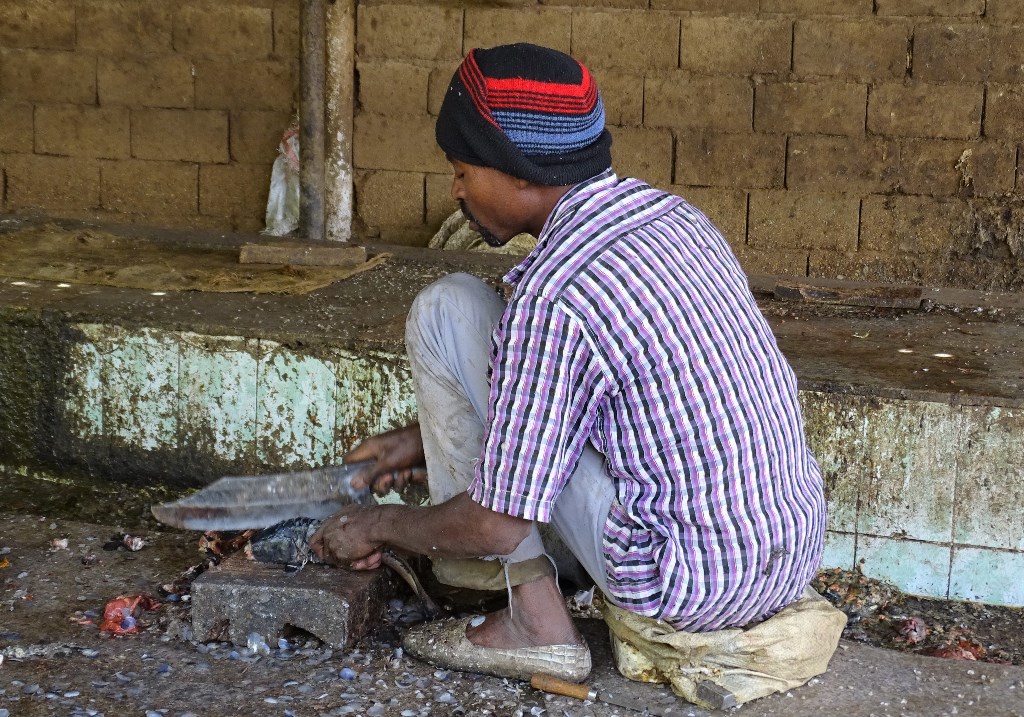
(283, 200)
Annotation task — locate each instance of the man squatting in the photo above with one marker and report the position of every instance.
(630, 395)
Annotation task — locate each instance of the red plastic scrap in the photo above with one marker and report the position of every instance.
(120, 613)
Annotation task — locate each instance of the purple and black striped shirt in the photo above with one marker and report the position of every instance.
(631, 326)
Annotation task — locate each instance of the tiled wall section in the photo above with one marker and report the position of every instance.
(926, 495)
(232, 397)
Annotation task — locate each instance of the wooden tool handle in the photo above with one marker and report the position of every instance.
(547, 683)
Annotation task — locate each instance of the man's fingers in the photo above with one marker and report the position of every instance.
(370, 562)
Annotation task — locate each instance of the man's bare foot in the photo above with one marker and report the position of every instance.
(536, 617)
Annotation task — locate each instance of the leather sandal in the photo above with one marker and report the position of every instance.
(444, 643)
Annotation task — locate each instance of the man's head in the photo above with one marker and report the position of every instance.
(520, 117)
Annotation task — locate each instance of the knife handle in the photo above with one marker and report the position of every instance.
(547, 683)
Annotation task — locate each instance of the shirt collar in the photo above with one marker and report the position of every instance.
(562, 210)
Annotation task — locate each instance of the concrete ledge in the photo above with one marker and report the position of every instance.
(241, 596)
(916, 416)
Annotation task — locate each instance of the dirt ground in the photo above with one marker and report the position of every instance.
(57, 661)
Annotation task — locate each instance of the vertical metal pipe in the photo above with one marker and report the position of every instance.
(313, 73)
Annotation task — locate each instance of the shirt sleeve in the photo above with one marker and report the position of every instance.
(546, 386)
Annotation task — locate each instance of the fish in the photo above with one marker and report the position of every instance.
(288, 543)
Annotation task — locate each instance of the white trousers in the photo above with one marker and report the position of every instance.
(448, 337)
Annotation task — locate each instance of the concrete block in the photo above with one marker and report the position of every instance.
(871, 50)
(989, 576)
(786, 262)
(82, 131)
(156, 81)
(917, 8)
(719, 7)
(489, 27)
(989, 489)
(818, 7)
(287, 41)
(125, 28)
(184, 135)
(804, 220)
(400, 144)
(247, 85)
(409, 32)
(224, 30)
(873, 266)
(836, 108)
(643, 153)
(16, 129)
(439, 202)
(53, 183)
(940, 167)
(916, 568)
(392, 89)
(166, 190)
(235, 191)
(726, 45)
(623, 97)
(910, 472)
(653, 38)
(241, 596)
(1005, 10)
(914, 224)
(217, 395)
(952, 52)
(48, 76)
(1004, 112)
(925, 110)
(681, 101)
(747, 161)
(390, 199)
(256, 134)
(1007, 54)
(437, 86)
(44, 24)
(726, 208)
(855, 164)
(296, 411)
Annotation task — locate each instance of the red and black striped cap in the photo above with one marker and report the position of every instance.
(528, 111)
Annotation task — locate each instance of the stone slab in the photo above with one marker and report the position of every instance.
(241, 596)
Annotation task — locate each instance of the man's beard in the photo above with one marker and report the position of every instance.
(485, 233)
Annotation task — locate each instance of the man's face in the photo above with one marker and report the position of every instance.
(489, 200)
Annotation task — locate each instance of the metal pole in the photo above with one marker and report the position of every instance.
(313, 73)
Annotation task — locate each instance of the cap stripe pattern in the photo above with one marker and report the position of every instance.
(526, 110)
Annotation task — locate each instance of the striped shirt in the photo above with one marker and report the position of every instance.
(631, 326)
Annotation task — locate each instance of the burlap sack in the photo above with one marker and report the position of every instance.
(779, 654)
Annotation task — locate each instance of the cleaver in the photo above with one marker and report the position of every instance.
(244, 502)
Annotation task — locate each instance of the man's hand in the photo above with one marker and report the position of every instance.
(399, 457)
(341, 539)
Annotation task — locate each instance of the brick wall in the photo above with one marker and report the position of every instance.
(861, 139)
(164, 113)
(871, 139)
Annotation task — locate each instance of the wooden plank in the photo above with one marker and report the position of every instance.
(302, 254)
(897, 297)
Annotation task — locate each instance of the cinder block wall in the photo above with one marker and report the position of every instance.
(164, 113)
(830, 138)
(868, 139)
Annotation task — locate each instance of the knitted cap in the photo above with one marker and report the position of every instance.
(527, 111)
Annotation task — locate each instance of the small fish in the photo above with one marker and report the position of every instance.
(286, 542)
